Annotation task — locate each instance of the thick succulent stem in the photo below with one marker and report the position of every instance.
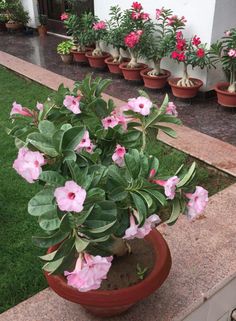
(116, 55)
(156, 71)
(133, 62)
(97, 51)
(232, 87)
(80, 48)
(120, 247)
(185, 81)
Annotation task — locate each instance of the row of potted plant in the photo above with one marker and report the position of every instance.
(13, 16)
(134, 32)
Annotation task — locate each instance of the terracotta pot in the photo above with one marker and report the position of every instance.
(224, 97)
(97, 61)
(3, 26)
(113, 302)
(79, 56)
(114, 67)
(14, 25)
(132, 73)
(185, 92)
(67, 59)
(42, 31)
(156, 82)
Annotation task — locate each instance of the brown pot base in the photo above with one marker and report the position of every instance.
(107, 303)
(79, 56)
(224, 97)
(114, 67)
(132, 73)
(185, 92)
(67, 59)
(97, 61)
(155, 82)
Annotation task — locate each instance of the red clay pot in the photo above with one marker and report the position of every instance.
(114, 67)
(113, 302)
(97, 61)
(185, 92)
(224, 97)
(132, 73)
(42, 31)
(79, 56)
(3, 26)
(156, 82)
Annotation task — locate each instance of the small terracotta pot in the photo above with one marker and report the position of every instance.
(185, 92)
(105, 303)
(42, 31)
(97, 61)
(3, 26)
(79, 56)
(132, 73)
(224, 97)
(67, 59)
(14, 25)
(155, 82)
(114, 67)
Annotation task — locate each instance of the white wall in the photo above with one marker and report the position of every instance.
(32, 7)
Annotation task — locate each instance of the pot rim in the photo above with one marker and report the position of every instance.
(221, 91)
(145, 71)
(172, 82)
(107, 61)
(105, 54)
(124, 64)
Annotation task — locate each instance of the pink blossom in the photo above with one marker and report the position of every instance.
(118, 156)
(181, 44)
(140, 105)
(84, 143)
(169, 186)
(171, 109)
(89, 272)
(70, 197)
(101, 25)
(200, 53)
(28, 164)
(120, 117)
(159, 12)
(145, 16)
(135, 15)
(137, 6)
(197, 202)
(181, 56)
(175, 55)
(90, 148)
(152, 173)
(132, 39)
(140, 232)
(109, 122)
(17, 109)
(232, 53)
(72, 103)
(196, 41)
(179, 35)
(64, 16)
(39, 106)
(228, 33)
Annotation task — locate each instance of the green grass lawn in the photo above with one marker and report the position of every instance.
(20, 269)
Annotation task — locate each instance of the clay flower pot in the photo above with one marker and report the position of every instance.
(42, 31)
(79, 56)
(3, 26)
(67, 59)
(224, 97)
(97, 61)
(185, 92)
(105, 303)
(13, 25)
(155, 82)
(114, 67)
(132, 73)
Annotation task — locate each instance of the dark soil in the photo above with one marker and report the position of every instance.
(123, 272)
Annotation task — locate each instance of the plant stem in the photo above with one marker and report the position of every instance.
(133, 62)
(156, 71)
(144, 139)
(232, 87)
(97, 51)
(185, 81)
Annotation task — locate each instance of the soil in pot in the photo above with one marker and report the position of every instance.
(155, 82)
(224, 97)
(114, 67)
(132, 73)
(185, 92)
(97, 61)
(67, 59)
(79, 56)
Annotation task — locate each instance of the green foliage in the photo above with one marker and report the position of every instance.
(16, 12)
(43, 19)
(115, 34)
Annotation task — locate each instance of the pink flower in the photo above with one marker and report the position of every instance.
(120, 117)
(137, 6)
(109, 122)
(196, 41)
(200, 53)
(28, 164)
(140, 105)
(181, 44)
(197, 202)
(179, 35)
(171, 109)
(84, 143)
(169, 186)
(89, 272)
(232, 53)
(39, 106)
(135, 15)
(159, 12)
(182, 56)
(140, 232)
(72, 103)
(90, 148)
(152, 173)
(17, 109)
(175, 55)
(70, 197)
(64, 16)
(118, 156)
(145, 16)
(228, 33)
(132, 39)
(101, 25)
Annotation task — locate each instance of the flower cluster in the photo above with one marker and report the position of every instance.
(175, 20)
(232, 53)
(100, 25)
(64, 16)
(133, 38)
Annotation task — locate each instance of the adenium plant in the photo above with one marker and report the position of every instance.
(162, 40)
(100, 185)
(99, 33)
(190, 52)
(224, 51)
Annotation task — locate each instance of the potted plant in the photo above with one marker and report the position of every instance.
(97, 57)
(136, 22)
(3, 15)
(115, 38)
(193, 53)
(64, 50)
(17, 16)
(42, 28)
(101, 188)
(224, 51)
(159, 44)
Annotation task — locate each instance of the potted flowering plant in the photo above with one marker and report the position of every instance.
(42, 28)
(3, 15)
(135, 23)
(159, 44)
(17, 16)
(64, 50)
(193, 53)
(115, 37)
(224, 51)
(100, 191)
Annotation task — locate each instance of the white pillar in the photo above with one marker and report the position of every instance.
(32, 7)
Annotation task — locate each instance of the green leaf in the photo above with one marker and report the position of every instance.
(49, 240)
(133, 164)
(140, 207)
(95, 195)
(49, 256)
(67, 222)
(52, 178)
(46, 128)
(158, 196)
(79, 175)
(72, 138)
(167, 130)
(115, 174)
(42, 143)
(53, 266)
(118, 194)
(169, 119)
(49, 221)
(42, 202)
(188, 177)
(146, 197)
(176, 211)
(102, 229)
(164, 104)
(69, 155)
(81, 244)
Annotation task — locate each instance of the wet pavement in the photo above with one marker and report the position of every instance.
(202, 114)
